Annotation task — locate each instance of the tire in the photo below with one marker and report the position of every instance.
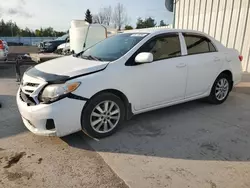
(90, 112)
(215, 99)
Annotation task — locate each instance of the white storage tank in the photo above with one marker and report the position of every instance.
(77, 34)
(83, 35)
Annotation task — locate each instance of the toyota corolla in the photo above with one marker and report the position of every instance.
(124, 75)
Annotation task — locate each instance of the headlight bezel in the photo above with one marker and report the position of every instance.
(68, 89)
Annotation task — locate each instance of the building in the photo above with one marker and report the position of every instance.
(226, 20)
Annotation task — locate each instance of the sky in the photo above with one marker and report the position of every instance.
(58, 13)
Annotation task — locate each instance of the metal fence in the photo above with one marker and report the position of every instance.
(226, 20)
(30, 41)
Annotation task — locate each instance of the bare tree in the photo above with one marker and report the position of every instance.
(107, 13)
(103, 16)
(119, 16)
(98, 18)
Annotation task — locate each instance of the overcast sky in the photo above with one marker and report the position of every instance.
(58, 13)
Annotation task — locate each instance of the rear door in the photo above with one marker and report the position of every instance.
(204, 62)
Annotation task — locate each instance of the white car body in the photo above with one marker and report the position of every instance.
(146, 87)
(4, 52)
(64, 45)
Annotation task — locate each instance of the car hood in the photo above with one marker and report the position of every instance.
(46, 41)
(65, 68)
(53, 41)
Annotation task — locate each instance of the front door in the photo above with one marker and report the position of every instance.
(163, 80)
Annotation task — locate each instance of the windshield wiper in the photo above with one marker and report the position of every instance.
(90, 57)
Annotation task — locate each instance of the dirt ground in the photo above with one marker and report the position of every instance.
(27, 160)
(23, 49)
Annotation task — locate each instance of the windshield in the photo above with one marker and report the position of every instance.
(114, 47)
(64, 37)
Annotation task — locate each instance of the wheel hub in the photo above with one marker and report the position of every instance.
(105, 116)
(221, 89)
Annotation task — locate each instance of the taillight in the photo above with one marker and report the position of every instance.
(1, 45)
(240, 57)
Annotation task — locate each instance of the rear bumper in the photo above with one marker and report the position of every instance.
(65, 113)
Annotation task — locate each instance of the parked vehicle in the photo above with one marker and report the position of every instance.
(64, 45)
(83, 35)
(51, 46)
(63, 49)
(4, 50)
(125, 75)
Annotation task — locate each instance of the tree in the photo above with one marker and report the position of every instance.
(149, 22)
(103, 16)
(88, 16)
(140, 23)
(128, 27)
(119, 16)
(96, 19)
(107, 12)
(146, 23)
(8, 29)
(162, 23)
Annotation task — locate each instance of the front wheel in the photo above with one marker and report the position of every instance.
(102, 115)
(220, 89)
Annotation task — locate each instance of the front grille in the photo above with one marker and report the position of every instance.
(29, 91)
(41, 45)
(29, 88)
(32, 84)
(27, 99)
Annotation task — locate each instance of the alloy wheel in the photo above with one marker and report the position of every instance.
(221, 89)
(105, 116)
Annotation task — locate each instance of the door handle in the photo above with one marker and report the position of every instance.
(216, 59)
(181, 65)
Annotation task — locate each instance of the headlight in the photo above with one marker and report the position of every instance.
(54, 92)
(48, 44)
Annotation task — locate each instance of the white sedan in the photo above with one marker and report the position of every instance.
(125, 75)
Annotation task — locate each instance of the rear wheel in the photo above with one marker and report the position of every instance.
(220, 89)
(103, 114)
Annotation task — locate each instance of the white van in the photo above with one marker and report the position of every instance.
(124, 75)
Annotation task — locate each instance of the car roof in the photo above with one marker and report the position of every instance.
(163, 30)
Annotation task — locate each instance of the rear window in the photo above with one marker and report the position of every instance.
(198, 44)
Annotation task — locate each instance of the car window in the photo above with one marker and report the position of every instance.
(114, 47)
(163, 47)
(198, 44)
(64, 37)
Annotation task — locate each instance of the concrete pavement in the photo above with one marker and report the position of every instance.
(189, 145)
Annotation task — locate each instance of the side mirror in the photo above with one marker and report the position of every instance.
(144, 57)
